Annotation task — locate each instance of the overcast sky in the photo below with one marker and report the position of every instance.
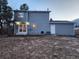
(60, 9)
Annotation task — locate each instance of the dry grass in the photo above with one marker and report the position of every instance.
(39, 47)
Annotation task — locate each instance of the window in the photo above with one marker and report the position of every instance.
(20, 15)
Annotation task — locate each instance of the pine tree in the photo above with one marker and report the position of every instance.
(24, 7)
(5, 16)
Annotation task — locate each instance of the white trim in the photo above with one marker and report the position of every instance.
(21, 33)
(52, 28)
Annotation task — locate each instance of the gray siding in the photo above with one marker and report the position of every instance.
(40, 19)
(21, 16)
(64, 29)
(42, 22)
(24, 18)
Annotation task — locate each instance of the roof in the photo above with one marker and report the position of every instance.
(32, 11)
(63, 22)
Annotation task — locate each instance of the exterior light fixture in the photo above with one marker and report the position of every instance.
(27, 23)
(34, 26)
(17, 23)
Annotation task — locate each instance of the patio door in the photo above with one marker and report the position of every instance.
(22, 29)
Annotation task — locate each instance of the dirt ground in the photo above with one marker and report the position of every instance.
(39, 47)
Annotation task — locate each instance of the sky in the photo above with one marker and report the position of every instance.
(60, 9)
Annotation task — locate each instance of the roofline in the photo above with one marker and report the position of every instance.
(55, 22)
(31, 11)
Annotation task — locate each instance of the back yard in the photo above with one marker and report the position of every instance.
(39, 47)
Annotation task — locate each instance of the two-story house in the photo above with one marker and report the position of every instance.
(31, 22)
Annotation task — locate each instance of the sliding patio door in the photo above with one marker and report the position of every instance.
(22, 29)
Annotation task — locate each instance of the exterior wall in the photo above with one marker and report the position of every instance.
(64, 29)
(41, 20)
(21, 16)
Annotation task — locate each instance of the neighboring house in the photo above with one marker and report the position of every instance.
(76, 21)
(76, 27)
(31, 22)
(62, 28)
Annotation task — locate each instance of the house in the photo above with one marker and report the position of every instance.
(31, 22)
(76, 27)
(62, 28)
(76, 21)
